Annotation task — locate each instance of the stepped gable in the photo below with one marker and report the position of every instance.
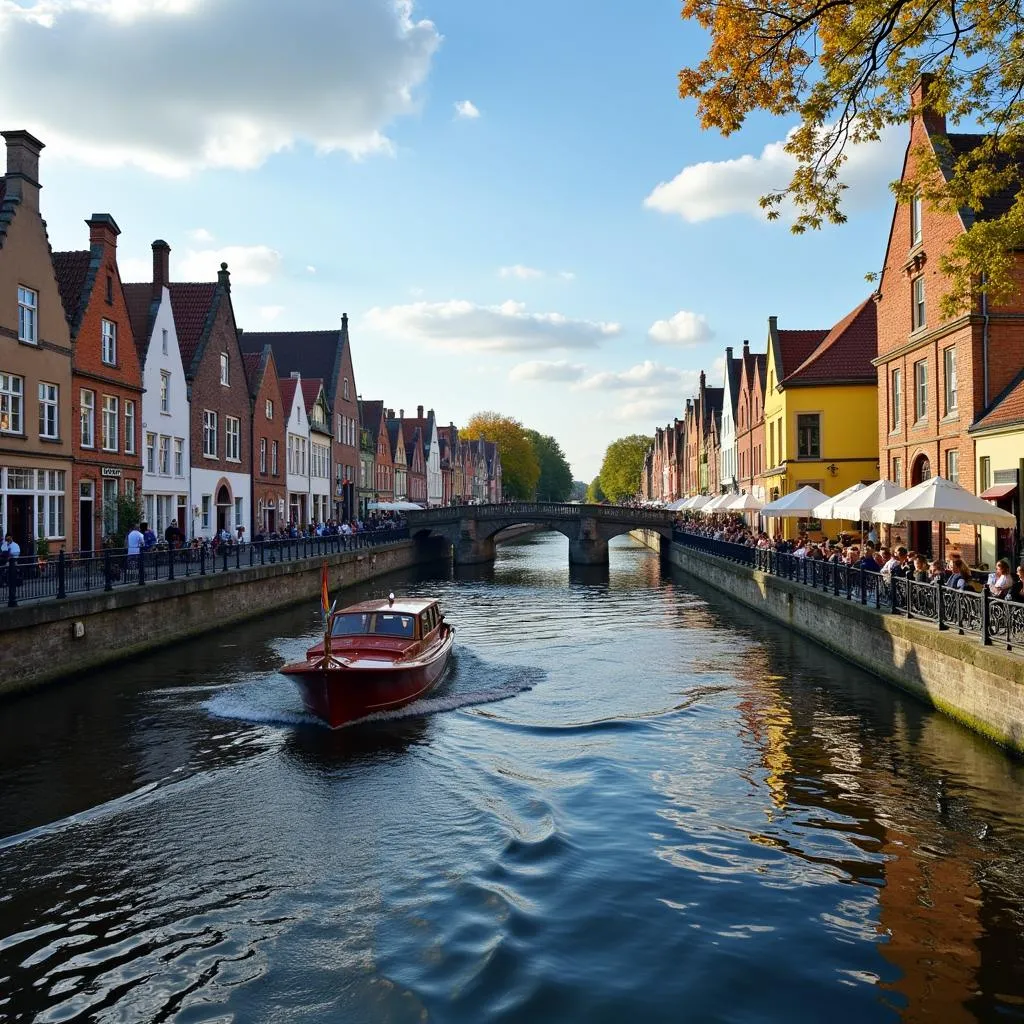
(845, 353)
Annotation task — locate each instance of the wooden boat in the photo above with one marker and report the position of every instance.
(375, 656)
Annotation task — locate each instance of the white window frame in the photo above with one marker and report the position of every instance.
(950, 380)
(209, 434)
(919, 311)
(263, 456)
(129, 427)
(109, 420)
(274, 457)
(151, 453)
(268, 409)
(165, 392)
(12, 403)
(915, 220)
(239, 512)
(108, 350)
(179, 456)
(225, 370)
(920, 390)
(952, 466)
(164, 455)
(87, 417)
(896, 398)
(163, 341)
(28, 315)
(49, 411)
(232, 439)
(205, 513)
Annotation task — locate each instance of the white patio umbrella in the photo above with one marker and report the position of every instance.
(674, 506)
(717, 504)
(694, 503)
(859, 507)
(394, 506)
(799, 504)
(745, 503)
(826, 510)
(938, 500)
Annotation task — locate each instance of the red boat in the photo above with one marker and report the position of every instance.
(375, 656)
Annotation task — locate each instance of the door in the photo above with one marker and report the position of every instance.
(919, 536)
(20, 522)
(85, 516)
(224, 508)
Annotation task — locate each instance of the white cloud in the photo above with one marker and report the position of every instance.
(458, 324)
(645, 394)
(718, 188)
(270, 312)
(683, 329)
(538, 369)
(201, 236)
(310, 269)
(236, 90)
(248, 264)
(523, 273)
(466, 110)
(567, 275)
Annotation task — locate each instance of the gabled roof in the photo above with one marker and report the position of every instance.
(962, 144)
(311, 391)
(793, 348)
(1007, 409)
(733, 369)
(844, 355)
(424, 424)
(142, 310)
(412, 435)
(194, 306)
(370, 415)
(288, 386)
(394, 434)
(73, 280)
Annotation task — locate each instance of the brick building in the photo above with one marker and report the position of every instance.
(220, 412)
(269, 414)
(750, 422)
(107, 385)
(938, 375)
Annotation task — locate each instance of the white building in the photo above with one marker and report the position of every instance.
(166, 467)
(297, 511)
(728, 453)
(318, 419)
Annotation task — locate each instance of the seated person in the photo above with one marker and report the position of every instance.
(1003, 582)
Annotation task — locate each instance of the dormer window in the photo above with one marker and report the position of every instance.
(225, 370)
(915, 219)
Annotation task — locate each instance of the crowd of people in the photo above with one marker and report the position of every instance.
(865, 553)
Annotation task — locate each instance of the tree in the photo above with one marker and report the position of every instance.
(846, 67)
(555, 480)
(519, 467)
(623, 463)
(579, 490)
(595, 494)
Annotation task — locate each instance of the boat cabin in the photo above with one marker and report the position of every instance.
(409, 620)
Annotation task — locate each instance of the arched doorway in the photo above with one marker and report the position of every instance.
(224, 507)
(920, 534)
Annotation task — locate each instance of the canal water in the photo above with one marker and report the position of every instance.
(631, 801)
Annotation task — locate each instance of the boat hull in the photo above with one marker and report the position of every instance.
(339, 692)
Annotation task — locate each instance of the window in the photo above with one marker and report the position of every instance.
(163, 341)
(206, 511)
(165, 392)
(918, 316)
(11, 394)
(225, 370)
(896, 395)
(808, 436)
(273, 458)
(109, 506)
(129, 427)
(209, 434)
(129, 488)
(985, 473)
(165, 456)
(28, 316)
(953, 465)
(109, 424)
(232, 438)
(949, 372)
(238, 512)
(269, 409)
(915, 219)
(150, 452)
(263, 455)
(339, 430)
(110, 290)
(897, 471)
(920, 390)
(344, 389)
(179, 457)
(48, 406)
(109, 354)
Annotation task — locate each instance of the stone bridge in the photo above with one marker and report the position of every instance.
(471, 529)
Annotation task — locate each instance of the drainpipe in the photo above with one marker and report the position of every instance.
(984, 339)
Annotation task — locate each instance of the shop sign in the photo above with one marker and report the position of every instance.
(113, 471)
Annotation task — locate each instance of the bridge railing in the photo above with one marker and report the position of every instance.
(541, 509)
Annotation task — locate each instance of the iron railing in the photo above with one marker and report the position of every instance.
(524, 510)
(57, 578)
(971, 613)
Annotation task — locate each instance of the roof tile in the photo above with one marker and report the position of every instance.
(191, 305)
(72, 270)
(845, 353)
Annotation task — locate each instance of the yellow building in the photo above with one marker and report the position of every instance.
(999, 470)
(821, 411)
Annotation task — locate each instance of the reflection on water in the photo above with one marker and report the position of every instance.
(631, 799)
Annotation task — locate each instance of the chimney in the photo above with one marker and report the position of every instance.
(294, 374)
(224, 278)
(419, 412)
(746, 347)
(344, 324)
(22, 180)
(401, 414)
(921, 102)
(728, 357)
(703, 381)
(161, 266)
(103, 231)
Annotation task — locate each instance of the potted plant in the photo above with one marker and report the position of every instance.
(42, 552)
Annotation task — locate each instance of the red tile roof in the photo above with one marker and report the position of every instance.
(845, 353)
(72, 270)
(311, 391)
(1008, 407)
(141, 312)
(796, 346)
(192, 305)
(370, 415)
(253, 363)
(288, 385)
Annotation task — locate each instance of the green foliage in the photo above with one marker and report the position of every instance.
(520, 469)
(622, 466)
(118, 520)
(555, 480)
(579, 490)
(595, 494)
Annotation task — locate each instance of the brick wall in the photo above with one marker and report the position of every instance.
(268, 487)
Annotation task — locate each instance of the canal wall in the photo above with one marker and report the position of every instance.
(50, 640)
(981, 687)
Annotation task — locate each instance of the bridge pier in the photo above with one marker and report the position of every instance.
(588, 551)
(470, 551)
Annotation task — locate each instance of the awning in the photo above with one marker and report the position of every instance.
(999, 491)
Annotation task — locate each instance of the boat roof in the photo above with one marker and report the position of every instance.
(405, 605)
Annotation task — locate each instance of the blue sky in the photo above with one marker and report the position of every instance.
(523, 260)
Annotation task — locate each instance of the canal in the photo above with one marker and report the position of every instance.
(632, 801)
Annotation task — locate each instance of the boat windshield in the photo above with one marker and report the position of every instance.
(392, 624)
(349, 623)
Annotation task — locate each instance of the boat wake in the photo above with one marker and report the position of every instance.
(471, 681)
